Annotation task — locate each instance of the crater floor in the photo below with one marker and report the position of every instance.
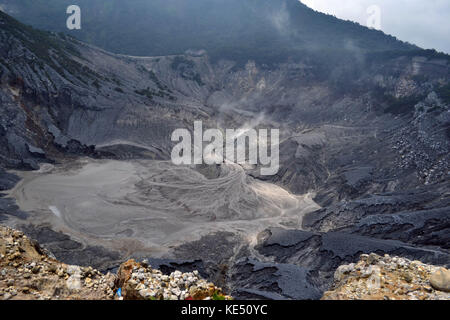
(152, 206)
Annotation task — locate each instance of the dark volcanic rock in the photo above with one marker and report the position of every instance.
(354, 177)
(167, 266)
(324, 252)
(214, 247)
(224, 261)
(425, 227)
(216, 251)
(70, 251)
(36, 151)
(7, 180)
(346, 213)
(8, 208)
(127, 152)
(252, 279)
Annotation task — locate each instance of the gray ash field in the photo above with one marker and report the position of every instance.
(151, 206)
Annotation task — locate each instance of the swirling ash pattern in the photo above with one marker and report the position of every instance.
(156, 203)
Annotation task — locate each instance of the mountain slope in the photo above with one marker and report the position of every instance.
(230, 29)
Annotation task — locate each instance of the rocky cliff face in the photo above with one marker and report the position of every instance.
(369, 141)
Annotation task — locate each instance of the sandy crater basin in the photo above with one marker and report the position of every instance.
(155, 203)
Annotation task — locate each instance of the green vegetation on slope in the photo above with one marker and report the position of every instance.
(56, 51)
(267, 31)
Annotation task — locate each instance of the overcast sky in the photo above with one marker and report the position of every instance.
(425, 23)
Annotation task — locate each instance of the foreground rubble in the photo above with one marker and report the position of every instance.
(27, 272)
(389, 278)
(139, 281)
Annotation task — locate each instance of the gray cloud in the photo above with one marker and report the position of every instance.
(425, 23)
